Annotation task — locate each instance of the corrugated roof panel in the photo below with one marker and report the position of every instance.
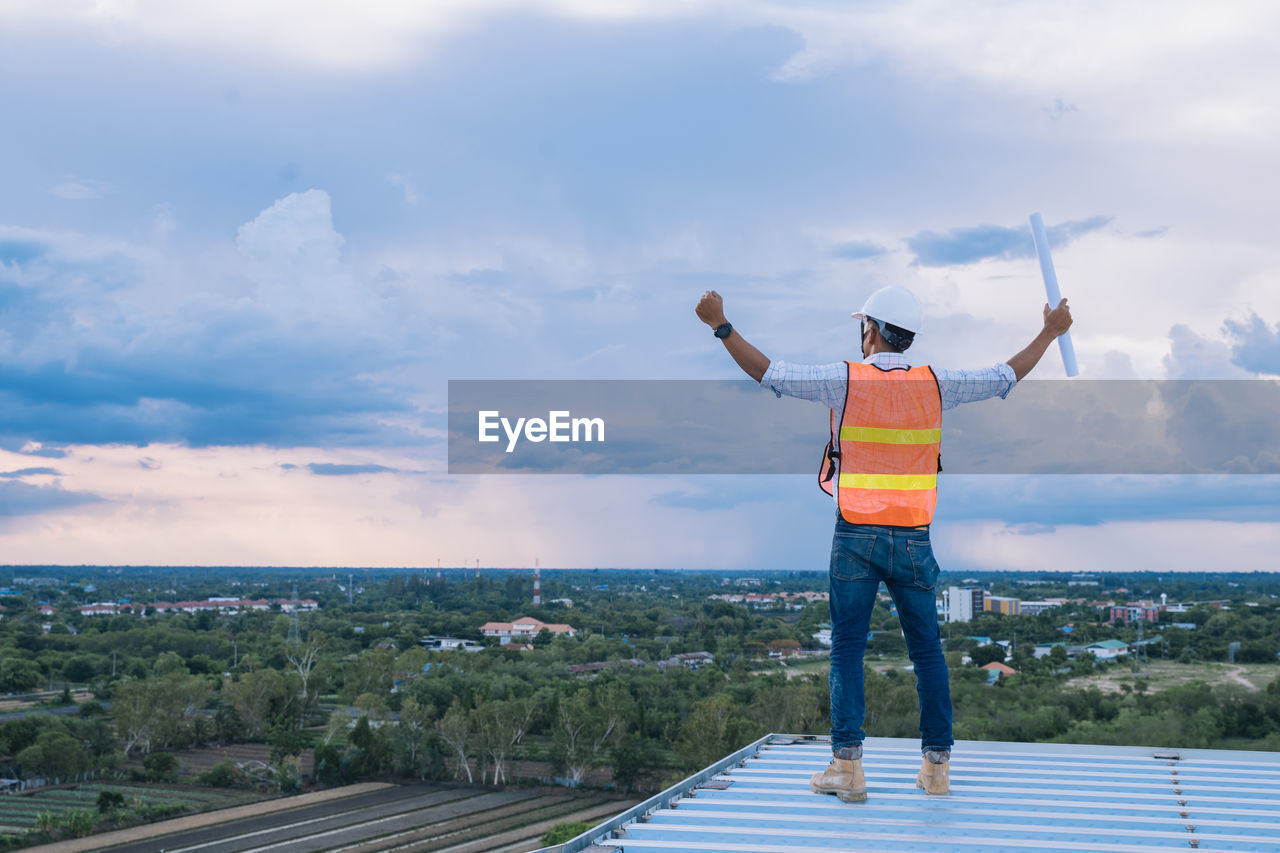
(1004, 797)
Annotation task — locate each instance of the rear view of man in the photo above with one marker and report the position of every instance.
(881, 467)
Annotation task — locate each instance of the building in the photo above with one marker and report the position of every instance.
(960, 603)
(1035, 608)
(1108, 649)
(104, 608)
(689, 660)
(785, 600)
(1044, 649)
(228, 605)
(447, 644)
(1133, 611)
(997, 670)
(1001, 604)
(590, 669)
(523, 629)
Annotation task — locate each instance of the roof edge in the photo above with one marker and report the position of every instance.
(671, 794)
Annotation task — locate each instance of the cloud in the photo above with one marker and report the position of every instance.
(334, 469)
(18, 498)
(28, 472)
(280, 345)
(74, 189)
(983, 242)
(295, 234)
(713, 493)
(1255, 346)
(1056, 500)
(319, 37)
(34, 448)
(407, 190)
(1194, 357)
(163, 221)
(19, 252)
(856, 250)
(1060, 108)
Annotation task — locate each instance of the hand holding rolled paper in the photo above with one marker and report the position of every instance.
(1051, 291)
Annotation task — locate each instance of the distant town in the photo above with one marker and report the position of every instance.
(256, 681)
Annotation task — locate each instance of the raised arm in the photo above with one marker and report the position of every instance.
(1056, 322)
(710, 310)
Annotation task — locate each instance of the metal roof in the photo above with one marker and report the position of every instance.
(1004, 797)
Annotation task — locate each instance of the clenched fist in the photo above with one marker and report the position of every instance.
(710, 309)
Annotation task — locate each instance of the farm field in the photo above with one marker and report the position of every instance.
(198, 760)
(21, 812)
(405, 818)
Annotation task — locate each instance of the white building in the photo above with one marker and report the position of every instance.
(960, 603)
(523, 629)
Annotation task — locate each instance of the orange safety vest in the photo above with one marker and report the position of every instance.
(888, 447)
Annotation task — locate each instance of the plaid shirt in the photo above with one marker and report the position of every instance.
(828, 383)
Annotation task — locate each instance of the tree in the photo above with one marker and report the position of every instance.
(714, 728)
(79, 669)
(286, 739)
(109, 801)
(585, 724)
(55, 754)
(455, 730)
(256, 697)
(371, 673)
(410, 740)
(303, 660)
(161, 766)
(156, 712)
(370, 747)
(500, 725)
(136, 717)
(17, 675)
(984, 655)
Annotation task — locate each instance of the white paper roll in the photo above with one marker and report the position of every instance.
(1051, 291)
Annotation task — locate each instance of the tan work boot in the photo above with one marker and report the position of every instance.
(843, 777)
(935, 772)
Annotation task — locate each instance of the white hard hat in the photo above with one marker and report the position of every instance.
(894, 305)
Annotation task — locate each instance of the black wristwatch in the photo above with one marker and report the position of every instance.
(723, 330)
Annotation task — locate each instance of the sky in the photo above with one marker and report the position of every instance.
(245, 246)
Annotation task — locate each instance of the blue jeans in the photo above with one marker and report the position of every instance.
(863, 555)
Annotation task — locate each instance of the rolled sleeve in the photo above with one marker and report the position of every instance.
(821, 383)
(970, 386)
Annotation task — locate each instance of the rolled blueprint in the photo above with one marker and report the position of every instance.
(1051, 291)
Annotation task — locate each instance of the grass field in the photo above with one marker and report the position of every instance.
(1166, 673)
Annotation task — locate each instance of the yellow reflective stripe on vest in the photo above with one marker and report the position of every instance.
(899, 482)
(891, 436)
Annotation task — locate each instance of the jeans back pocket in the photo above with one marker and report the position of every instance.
(923, 564)
(851, 556)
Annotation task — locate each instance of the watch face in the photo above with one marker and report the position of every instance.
(723, 330)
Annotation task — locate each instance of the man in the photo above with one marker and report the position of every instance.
(881, 467)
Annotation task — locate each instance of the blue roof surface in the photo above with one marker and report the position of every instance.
(1004, 797)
